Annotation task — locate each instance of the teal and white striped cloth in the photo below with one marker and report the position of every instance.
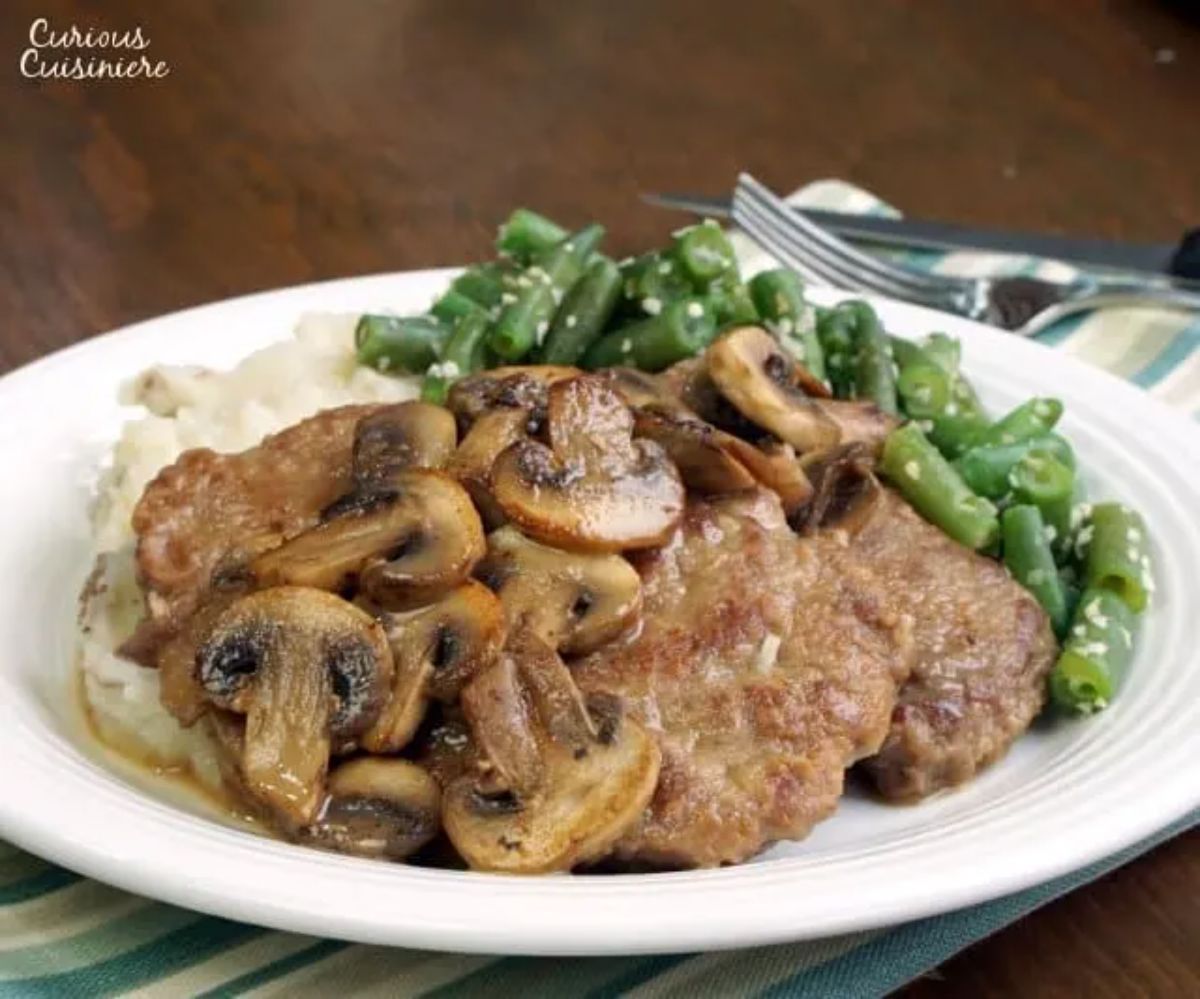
(63, 935)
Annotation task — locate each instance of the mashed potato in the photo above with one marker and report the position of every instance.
(188, 408)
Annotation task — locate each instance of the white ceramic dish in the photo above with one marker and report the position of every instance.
(1068, 793)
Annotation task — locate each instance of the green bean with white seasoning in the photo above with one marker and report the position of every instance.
(680, 331)
(1042, 480)
(1096, 654)
(1028, 557)
(1118, 558)
(986, 469)
(404, 344)
(703, 253)
(526, 235)
(585, 310)
(1031, 419)
(650, 282)
(778, 297)
(835, 331)
(935, 489)
(874, 369)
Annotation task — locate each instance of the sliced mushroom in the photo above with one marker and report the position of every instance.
(395, 438)
(700, 451)
(755, 374)
(179, 690)
(407, 544)
(515, 387)
(594, 487)
(637, 388)
(845, 490)
(573, 601)
(559, 703)
(471, 464)
(308, 670)
(500, 715)
(377, 807)
(774, 465)
(861, 421)
(586, 800)
(436, 650)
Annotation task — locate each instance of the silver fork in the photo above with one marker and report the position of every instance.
(1022, 305)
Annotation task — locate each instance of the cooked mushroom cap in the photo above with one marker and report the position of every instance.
(585, 802)
(574, 601)
(405, 435)
(436, 649)
(594, 488)
(845, 489)
(637, 388)
(775, 466)
(500, 715)
(860, 421)
(179, 688)
(305, 668)
(471, 464)
(755, 374)
(699, 450)
(418, 538)
(377, 807)
(514, 387)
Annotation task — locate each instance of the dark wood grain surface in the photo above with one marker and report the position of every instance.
(300, 140)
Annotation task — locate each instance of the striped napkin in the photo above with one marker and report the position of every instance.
(63, 935)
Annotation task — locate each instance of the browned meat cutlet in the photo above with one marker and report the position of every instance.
(766, 665)
(982, 649)
(207, 512)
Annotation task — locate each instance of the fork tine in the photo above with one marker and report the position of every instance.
(853, 265)
(833, 246)
(770, 239)
(799, 257)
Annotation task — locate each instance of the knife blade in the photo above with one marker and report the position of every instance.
(1159, 259)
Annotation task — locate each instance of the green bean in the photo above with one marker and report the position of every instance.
(1048, 484)
(483, 283)
(1117, 555)
(986, 469)
(1097, 652)
(704, 253)
(778, 297)
(585, 310)
(399, 343)
(525, 314)
(1028, 557)
(731, 304)
(935, 489)
(1031, 419)
(954, 432)
(907, 353)
(835, 331)
(874, 371)
(924, 389)
(651, 281)
(527, 234)
(681, 330)
(452, 306)
(944, 351)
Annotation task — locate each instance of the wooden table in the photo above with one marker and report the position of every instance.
(293, 141)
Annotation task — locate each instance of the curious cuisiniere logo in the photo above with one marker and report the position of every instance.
(75, 53)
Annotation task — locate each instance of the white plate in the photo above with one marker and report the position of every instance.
(1067, 794)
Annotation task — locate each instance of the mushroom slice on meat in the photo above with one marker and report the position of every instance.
(436, 650)
(860, 422)
(500, 715)
(574, 601)
(756, 374)
(395, 438)
(514, 387)
(845, 489)
(638, 388)
(377, 807)
(309, 671)
(774, 465)
(595, 781)
(179, 689)
(471, 464)
(700, 451)
(594, 487)
(416, 539)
